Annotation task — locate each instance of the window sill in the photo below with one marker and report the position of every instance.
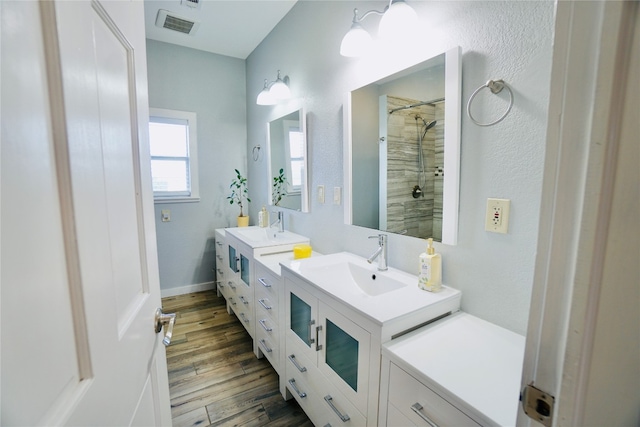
(159, 200)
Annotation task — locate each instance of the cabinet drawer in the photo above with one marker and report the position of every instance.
(267, 285)
(266, 323)
(269, 346)
(318, 398)
(266, 308)
(406, 392)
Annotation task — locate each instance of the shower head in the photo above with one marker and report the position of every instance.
(429, 125)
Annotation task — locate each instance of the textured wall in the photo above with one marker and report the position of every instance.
(499, 40)
(213, 87)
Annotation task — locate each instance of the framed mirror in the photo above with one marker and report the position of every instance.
(402, 151)
(287, 161)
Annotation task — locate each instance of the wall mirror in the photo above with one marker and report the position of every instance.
(402, 151)
(287, 152)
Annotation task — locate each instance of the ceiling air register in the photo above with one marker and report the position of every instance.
(171, 21)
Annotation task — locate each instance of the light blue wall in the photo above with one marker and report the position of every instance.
(212, 86)
(500, 40)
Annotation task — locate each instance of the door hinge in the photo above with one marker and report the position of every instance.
(537, 404)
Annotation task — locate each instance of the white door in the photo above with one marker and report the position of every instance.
(79, 271)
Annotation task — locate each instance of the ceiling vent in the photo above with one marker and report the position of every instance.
(171, 21)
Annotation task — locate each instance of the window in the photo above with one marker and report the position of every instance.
(294, 152)
(174, 163)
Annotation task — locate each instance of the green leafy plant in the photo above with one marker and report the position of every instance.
(239, 191)
(279, 187)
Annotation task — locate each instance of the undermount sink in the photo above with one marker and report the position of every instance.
(390, 297)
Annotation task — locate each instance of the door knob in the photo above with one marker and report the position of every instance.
(167, 320)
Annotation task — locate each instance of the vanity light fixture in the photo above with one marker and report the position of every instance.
(398, 21)
(275, 91)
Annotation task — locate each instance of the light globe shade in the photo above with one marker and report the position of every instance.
(266, 97)
(279, 90)
(357, 42)
(399, 22)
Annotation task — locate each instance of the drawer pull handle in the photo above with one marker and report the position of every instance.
(300, 368)
(244, 301)
(264, 325)
(221, 285)
(219, 243)
(219, 257)
(267, 307)
(266, 348)
(232, 301)
(329, 400)
(263, 282)
(244, 318)
(417, 408)
(220, 272)
(292, 383)
(231, 286)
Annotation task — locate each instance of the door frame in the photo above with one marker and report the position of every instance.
(588, 81)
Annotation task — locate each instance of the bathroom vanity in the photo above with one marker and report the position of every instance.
(460, 371)
(246, 296)
(339, 311)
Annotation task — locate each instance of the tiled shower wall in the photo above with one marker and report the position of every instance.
(422, 216)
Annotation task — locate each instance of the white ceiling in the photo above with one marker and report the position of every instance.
(227, 27)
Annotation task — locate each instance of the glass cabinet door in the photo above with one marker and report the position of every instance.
(245, 270)
(233, 259)
(344, 355)
(301, 321)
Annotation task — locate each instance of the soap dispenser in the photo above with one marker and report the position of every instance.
(263, 218)
(430, 273)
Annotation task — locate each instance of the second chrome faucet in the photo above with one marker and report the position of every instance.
(380, 253)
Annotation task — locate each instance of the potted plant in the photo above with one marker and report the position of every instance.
(239, 191)
(279, 187)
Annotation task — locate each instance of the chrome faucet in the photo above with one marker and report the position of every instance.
(380, 253)
(279, 221)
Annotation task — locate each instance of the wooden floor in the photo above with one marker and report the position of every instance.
(214, 377)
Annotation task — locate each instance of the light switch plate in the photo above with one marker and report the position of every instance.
(337, 195)
(165, 215)
(320, 193)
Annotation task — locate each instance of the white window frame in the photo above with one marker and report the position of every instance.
(191, 119)
(291, 126)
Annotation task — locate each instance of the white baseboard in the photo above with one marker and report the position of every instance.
(188, 289)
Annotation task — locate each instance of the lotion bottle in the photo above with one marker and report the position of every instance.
(263, 218)
(430, 273)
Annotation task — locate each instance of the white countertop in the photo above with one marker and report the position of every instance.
(324, 273)
(272, 261)
(475, 363)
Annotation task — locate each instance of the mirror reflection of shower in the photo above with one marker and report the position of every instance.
(411, 159)
(422, 129)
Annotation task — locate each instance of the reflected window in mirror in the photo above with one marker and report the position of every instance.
(287, 148)
(402, 142)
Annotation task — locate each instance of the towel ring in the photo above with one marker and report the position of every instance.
(496, 87)
(256, 153)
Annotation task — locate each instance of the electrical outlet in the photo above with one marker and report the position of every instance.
(497, 215)
(320, 193)
(165, 215)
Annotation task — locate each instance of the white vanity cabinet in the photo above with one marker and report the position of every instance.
(268, 292)
(241, 292)
(255, 292)
(222, 254)
(332, 360)
(459, 371)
